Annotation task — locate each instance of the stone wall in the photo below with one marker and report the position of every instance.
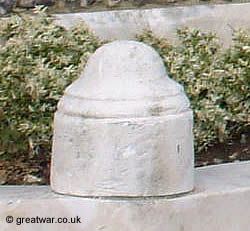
(164, 22)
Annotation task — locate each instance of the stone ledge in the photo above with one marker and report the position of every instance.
(126, 24)
(219, 202)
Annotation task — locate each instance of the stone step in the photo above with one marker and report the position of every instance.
(219, 202)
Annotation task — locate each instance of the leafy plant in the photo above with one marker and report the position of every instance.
(38, 59)
(216, 82)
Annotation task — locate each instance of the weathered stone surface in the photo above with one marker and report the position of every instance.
(124, 128)
(220, 201)
(126, 24)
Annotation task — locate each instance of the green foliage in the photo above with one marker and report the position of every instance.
(216, 82)
(38, 59)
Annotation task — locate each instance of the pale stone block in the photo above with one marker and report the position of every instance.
(124, 128)
(129, 157)
(221, 19)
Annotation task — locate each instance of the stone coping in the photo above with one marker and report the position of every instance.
(219, 202)
(223, 178)
(125, 24)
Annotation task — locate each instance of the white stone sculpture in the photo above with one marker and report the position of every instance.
(124, 128)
